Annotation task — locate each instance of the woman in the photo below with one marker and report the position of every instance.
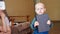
(5, 21)
(4, 18)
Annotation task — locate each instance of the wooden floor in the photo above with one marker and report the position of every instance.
(54, 30)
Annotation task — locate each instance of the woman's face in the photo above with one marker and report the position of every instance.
(1, 12)
(0, 28)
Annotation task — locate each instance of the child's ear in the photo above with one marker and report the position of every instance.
(45, 9)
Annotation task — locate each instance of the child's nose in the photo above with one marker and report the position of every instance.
(40, 10)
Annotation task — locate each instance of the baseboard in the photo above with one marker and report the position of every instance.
(56, 21)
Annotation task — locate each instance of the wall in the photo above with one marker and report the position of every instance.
(20, 7)
(26, 7)
(53, 8)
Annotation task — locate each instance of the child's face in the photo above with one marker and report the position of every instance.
(39, 8)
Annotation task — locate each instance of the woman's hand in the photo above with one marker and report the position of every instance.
(36, 23)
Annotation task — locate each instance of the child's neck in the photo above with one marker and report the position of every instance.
(41, 14)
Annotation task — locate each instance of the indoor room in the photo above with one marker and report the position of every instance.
(22, 12)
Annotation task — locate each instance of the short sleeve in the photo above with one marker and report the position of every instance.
(7, 21)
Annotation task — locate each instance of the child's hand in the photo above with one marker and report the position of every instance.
(48, 22)
(36, 23)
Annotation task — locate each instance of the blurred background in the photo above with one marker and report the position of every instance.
(18, 8)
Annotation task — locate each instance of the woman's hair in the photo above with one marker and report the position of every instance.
(5, 12)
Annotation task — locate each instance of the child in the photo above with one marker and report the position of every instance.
(42, 20)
